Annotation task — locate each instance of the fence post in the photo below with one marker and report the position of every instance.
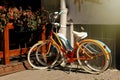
(6, 52)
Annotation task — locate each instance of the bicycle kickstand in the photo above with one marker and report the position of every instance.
(70, 68)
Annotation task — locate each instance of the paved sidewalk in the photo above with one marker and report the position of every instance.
(61, 75)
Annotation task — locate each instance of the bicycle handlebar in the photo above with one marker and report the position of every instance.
(60, 12)
(56, 24)
(54, 16)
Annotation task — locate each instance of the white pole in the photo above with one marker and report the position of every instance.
(63, 18)
(71, 34)
(63, 21)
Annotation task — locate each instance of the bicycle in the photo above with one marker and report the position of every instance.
(92, 55)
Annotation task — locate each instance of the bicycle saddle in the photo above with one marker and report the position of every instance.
(80, 35)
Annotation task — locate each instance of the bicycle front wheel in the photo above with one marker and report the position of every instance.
(94, 57)
(43, 55)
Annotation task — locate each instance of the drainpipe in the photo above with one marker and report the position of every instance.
(63, 17)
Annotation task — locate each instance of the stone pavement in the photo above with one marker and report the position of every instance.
(61, 75)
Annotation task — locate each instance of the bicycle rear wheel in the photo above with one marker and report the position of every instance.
(44, 54)
(96, 56)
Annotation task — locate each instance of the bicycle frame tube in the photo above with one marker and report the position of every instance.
(70, 56)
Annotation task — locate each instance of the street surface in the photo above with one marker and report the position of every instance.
(61, 75)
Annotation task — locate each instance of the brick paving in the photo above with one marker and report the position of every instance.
(111, 74)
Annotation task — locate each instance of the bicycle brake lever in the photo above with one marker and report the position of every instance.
(60, 12)
(56, 24)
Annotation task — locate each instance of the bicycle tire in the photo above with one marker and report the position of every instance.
(100, 56)
(38, 57)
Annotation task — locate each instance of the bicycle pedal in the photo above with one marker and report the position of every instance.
(63, 64)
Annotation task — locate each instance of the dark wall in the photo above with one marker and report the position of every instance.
(52, 5)
(118, 50)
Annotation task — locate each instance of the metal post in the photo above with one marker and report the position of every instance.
(71, 34)
(63, 18)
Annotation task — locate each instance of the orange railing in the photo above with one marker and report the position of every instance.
(6, 53)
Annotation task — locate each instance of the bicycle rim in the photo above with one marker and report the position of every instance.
(99, 58)
(32, 57)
